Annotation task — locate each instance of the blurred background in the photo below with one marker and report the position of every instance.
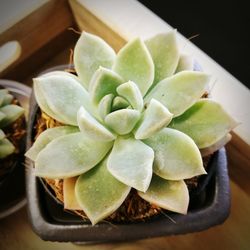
(223, 30)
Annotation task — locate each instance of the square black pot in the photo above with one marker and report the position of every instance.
(208, 208)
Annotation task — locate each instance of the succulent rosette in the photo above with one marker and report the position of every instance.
(9, 113)
(134, 119)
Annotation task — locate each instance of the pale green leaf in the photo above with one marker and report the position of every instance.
(119, 103)
(6, 148)
(90, 53)
(134, 63)
(170, 195)
(176, 155)
(7, 99)
(213, 148)
(105, 105)
(130, 161)
(206, 122)
(104, 82)
(46, 137)
(164, 51)
(3, 93)
(132, 94)
(12, 112)
(2, 134)
(186, 62)
(2, 116)
(122, 121)
(69, 156)
(99, 193)
(180, 91)
(154, 119)
(93, 128)
(61, 96)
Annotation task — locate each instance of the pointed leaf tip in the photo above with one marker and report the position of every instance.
(134, 63)
(61, 96)
(164, 51)
(170, 195)
(72, 155)
(99, 193)
(130, 161)
(132, 94)
(176, 155)
(206, 122)
(180, 91)
(93, 128)
(91, 52)
(154, 119)
(122, 121)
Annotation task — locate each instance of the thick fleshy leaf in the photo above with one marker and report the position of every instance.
(105, 106)
(131, 92)
(69, 156)
(131, 161)
(104, 82)
(93, 128)
(134, 63)
(164, 51)
(176, 155)
(206, 122)
(154, 119)
(221, 143)
(2, 134)
(170, 195)
(46, 137)
(119, 103)
(69, 197)
(186, 62)
(6, 148)
(2, 116)
(7, 99)
(61, 96)
(90, 53)
(3, 93)
(11, 112)
(99, 193)
(179, 92)
(122, 121)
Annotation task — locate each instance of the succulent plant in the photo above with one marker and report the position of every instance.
(8, 114)
(131, 120)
